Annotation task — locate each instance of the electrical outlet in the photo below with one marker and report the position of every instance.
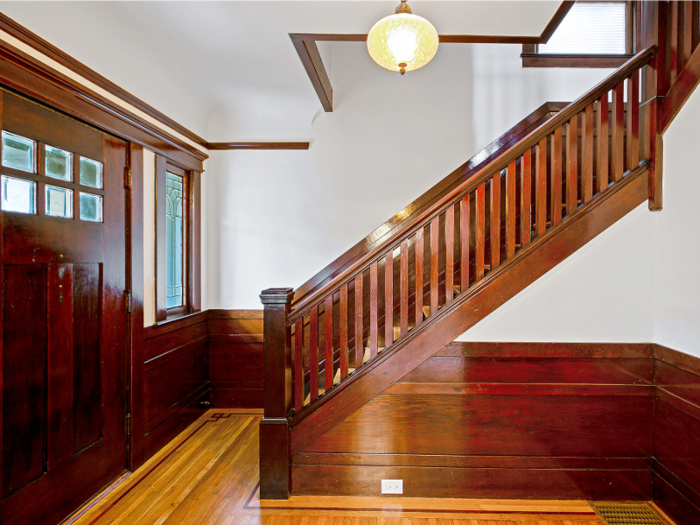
(392, 486)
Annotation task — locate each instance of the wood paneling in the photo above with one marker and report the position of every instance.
(236, 358)
(677, 435)
(585, 432)
(175, 381)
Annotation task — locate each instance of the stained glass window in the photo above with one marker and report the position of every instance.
(174, 230)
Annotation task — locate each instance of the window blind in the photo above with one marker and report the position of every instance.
(595, 28)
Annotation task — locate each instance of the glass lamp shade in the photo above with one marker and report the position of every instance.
(402, 42)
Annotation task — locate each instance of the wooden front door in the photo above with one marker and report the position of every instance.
(64, 321)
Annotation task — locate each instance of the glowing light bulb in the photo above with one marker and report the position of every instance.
(403, 41)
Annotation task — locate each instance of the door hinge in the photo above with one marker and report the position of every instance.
(128, 424)
(128, 301)
(127, 178)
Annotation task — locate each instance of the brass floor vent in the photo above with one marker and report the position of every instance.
(612, 513)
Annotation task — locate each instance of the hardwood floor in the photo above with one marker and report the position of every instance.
(209, 475)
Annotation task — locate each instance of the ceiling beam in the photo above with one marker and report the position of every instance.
(223, 146)
(307, 49)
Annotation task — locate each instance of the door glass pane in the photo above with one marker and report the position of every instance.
(17, 152)
(59, 202)
(58, 163)
(90, 207)
(90, 173)
(18, 195)
(174, 225)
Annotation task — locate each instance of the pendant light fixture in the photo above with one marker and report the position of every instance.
(403, 41)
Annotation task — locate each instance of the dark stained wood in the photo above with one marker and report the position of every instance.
(409, 216)
(510, 210)
(585, 61)
(469, 308)
(525, 198)
(557, 19)
(299, 365)
(587, 156)
(541, 188)
(434, 264)
(389, 298)
(480, 230)
(373, 311)
(313, 354)
(343, 330)
(420, 257)
(70, 439)
(403, 286)
(618, 132)
(24, 381)
(328, 338)
(225, 146)
(680, 92)
(449, 254)
(465, 228)
(495, 220)
(313, 64)
(571, 166)
(602, 144)
(274, 463)
(556, 177)
(359, 331)
(632, 133)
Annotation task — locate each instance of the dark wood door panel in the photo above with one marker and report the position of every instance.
(65, 326)
(24, 371)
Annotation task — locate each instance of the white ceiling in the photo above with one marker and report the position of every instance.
(194, 60)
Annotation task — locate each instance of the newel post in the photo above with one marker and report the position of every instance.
(274, 428)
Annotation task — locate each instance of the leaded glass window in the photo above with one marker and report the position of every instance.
(174, 230)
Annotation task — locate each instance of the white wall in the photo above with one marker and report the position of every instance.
(275, 218)
(602, 293)
(677, 305)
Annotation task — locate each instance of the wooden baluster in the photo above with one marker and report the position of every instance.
(674, 38)
(329, 341)
(555, 184)
(373, 311)
(495, 234)
(541, 188)
(299, 365)
(480, 230)
(618, 132)
(464, 241)
(572, 166)
(434, 261)
(343, 331)
(603, 132)
(313, 354)
(525, 198)
(420, 254)
(449, 253)
(359, 339)
(510, 210)
(687, 31)
(587, 155)
(403, 288)
(695, 26)
(389, 299)
(633, 121)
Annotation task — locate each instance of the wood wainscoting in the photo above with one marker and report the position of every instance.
(175, 378)
(677, 434)
(489, 420)
(236, 358)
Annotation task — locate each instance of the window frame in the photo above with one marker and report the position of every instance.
(532, 58)
(191, 240)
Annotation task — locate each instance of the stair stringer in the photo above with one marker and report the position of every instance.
(498, 287)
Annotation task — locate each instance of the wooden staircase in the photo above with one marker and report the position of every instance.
(490, 229)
